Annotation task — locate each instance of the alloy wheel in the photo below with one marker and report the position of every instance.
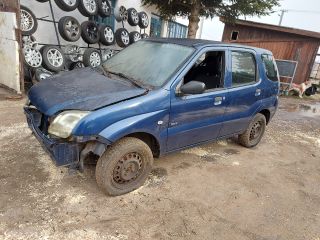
(125, 37)
(71, 3)
(32, 57)
(55, 57)
(95, 59)
(90, 5)
(27, 22)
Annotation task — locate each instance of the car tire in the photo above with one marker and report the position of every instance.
(143, 20)
(69, 29)
(104, 8)
(42, 74)
(144, 36)
(252, 136)
(90, 32)
(106, 35)
(134, 37)
(53, 58)
(88, 8)
(32, 57)
(76, 65)
(92, 58)
(133, 17)
(121, 14)
(28, 21)
(122, 37)
(67, 6)
(124, 167)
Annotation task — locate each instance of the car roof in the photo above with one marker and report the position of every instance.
(200, 43)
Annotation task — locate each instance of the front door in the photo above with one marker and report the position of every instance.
(198, 118)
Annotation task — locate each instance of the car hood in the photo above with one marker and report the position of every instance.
(84, 89)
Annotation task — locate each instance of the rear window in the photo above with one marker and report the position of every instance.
(270, 67)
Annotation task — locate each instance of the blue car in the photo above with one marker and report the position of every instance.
(155, 97)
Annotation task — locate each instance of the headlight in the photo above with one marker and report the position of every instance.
(63, 124)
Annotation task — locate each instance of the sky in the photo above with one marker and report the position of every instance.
(303, 14)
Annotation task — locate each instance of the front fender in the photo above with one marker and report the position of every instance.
(154, 123)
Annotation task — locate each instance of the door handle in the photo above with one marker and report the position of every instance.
(218, 101)
(258, 92)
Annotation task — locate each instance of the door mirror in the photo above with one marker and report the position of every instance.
(193, 87)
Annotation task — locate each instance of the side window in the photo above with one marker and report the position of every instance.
(209, 69)
(243, 69)
(270, 67)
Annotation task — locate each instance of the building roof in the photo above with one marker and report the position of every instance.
(277, 28)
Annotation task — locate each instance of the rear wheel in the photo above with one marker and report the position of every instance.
(124, 167)
(252, 136)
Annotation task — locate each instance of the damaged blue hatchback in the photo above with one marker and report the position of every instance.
(155, 97)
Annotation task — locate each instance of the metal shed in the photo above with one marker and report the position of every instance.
(285, 43)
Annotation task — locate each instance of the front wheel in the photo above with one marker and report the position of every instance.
(124, 167)
(252, 136)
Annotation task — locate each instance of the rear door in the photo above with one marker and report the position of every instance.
(245, 91)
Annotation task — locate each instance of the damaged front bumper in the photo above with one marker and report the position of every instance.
(61, 152)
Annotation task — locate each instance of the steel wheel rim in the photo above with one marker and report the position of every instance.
(128, 168)
(145, 20)
(105, 7)
(33, 57)
(55, 57)
(70, 3)
(125, 37)
(27, 21)
(72, 28)
(108, 34)
(95, 59)
(90, 6)
(255, 131)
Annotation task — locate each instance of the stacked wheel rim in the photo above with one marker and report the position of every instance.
(32, 57)
(88, 7)
(28, 21)
(122, 37)
(69, 29)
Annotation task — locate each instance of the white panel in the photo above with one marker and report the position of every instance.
(9, 52)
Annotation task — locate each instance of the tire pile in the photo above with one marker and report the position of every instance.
(50, 59)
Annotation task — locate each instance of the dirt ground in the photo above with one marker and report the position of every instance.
(217, 191)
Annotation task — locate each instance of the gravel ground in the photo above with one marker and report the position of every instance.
(216, 191)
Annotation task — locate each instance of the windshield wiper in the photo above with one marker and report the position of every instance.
(133, 81)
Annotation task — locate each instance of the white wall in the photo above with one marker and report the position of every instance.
(9, 52)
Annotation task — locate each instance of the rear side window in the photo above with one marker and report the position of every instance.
(270, 67)
(243, 69)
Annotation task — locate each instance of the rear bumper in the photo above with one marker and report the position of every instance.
(62, 153)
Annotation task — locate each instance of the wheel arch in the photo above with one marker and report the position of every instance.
(149, 139)
(267, 114)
